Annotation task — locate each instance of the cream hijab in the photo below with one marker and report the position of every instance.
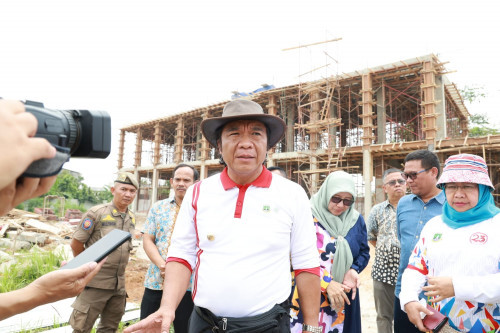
(337, 226)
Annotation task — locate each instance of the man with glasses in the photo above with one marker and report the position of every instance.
(382, 234)
(421, 170)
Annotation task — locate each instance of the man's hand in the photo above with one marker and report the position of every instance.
(23, 189)
(18, 147)
(352, 280)
(439, 288)
(62, 284)
(159, 321)
(413, 310)
(337, 294)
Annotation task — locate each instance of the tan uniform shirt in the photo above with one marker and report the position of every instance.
(96, 223)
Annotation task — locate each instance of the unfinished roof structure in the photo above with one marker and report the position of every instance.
(362, 122)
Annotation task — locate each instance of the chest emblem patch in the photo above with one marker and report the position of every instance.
(266, 208)
(108, 218)
(87, 224)
(478, 238)
(437, 237)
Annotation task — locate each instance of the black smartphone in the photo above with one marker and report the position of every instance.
(100, 249)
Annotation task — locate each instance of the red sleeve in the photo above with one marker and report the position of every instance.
(181, 261)
(314, 271)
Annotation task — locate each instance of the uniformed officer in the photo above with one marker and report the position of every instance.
(105, 294)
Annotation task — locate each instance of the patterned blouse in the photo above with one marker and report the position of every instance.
(383, 229)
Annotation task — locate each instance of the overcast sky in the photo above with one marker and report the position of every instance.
(140, 60)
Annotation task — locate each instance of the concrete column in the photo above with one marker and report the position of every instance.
(157, 144)
(314, 140)
(121, 149)
(136, 199)
(381, 115)
(379, 169)
(429, 104)
(332, 132)
(179, 137)
(272, 110)
(440, 109)
(291, 111)
(138, 148)
(154, 181)
(367, 102)
(367, 178)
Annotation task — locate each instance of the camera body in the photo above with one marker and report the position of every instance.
(85, 133)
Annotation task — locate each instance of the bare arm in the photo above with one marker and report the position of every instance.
(148, 243)
(50, 287)
(174, 287)
(77, 247)
(309, 289)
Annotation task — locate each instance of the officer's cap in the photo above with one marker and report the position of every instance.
(127, 178)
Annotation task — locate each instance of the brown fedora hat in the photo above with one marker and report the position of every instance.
(242, 109)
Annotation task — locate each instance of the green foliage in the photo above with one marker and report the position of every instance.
(28, 268)
(479, 124)
(70, 187)
(472, 94)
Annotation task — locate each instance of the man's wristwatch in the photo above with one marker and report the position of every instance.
(312, 329)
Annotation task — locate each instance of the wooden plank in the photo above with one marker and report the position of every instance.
(43, 226)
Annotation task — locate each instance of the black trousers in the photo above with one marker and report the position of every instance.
(401, 322)
(151, 303)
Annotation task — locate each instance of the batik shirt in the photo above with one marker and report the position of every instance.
(160, 224)
(382, 229)
(470, 255)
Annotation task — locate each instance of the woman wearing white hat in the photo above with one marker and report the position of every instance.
(458, 254)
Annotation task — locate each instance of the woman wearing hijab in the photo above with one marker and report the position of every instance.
(344, 253)
(458, 253)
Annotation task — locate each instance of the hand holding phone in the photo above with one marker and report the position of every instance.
(100, 249)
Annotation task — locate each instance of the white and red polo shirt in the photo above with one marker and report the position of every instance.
(239, 241)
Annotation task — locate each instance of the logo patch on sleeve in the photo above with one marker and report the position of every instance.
(87, 224)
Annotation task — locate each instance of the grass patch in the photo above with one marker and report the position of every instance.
(28, 267)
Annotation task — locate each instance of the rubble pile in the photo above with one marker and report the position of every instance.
(20, 229)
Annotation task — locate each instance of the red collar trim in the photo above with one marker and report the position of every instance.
(264, 180)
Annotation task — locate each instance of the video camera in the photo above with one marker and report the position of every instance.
(77, 133)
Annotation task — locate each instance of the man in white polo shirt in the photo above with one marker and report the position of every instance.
(238, 231)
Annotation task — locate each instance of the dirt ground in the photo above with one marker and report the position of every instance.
(134, 279)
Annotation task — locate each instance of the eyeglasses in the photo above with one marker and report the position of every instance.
(346, 202)
(452, 188)
(393, 182)
(413, 175)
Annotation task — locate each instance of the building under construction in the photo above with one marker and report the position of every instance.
(362, 122)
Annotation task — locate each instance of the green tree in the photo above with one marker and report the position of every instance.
(478, 125)
(70, 187)
(478, 122)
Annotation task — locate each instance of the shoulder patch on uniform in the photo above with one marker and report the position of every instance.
(108, 218)
(87, 224)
